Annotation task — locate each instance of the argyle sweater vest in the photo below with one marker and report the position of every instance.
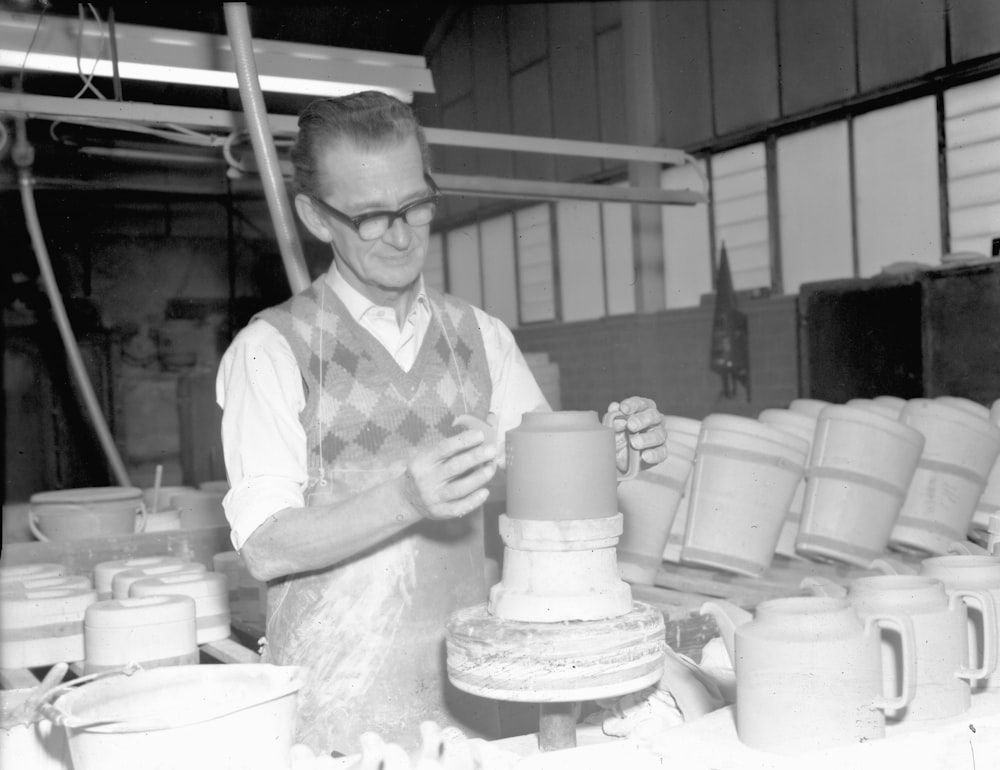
(362, 409)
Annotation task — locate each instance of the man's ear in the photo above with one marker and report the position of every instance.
(311, 218)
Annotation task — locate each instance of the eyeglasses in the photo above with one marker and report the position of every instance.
(374, 224)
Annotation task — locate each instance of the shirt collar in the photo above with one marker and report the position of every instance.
(358, 305)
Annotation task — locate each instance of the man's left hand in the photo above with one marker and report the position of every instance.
(641, 429)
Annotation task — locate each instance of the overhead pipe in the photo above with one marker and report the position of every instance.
(241, 41)
(23, 154)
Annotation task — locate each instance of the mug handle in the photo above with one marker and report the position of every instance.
(33, 526)
(634, 455)
(141, 510)
(908, 687)
(988, 607)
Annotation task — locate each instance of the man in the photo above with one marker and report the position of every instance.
(353, 492)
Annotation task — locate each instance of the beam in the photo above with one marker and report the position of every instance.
(226, 121)
(526, 189)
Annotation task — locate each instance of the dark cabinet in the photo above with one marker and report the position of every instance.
(922, 333)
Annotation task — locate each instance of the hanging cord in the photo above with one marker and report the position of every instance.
(88, 80)
(23, 155)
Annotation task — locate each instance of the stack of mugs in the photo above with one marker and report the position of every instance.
(829, 482)
(835, 667)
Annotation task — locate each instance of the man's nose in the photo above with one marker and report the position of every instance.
(398, 234)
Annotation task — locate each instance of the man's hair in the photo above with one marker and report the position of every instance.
(370, 120)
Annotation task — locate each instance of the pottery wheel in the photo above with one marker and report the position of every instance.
(560, 662)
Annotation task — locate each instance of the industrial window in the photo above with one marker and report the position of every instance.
(535, 264)
(581, 260)
(972, 148)
(897, 200)
(814, 198)
(496, 241)
(619, 262)
(464, 267)
(687, 248)
(740, 213)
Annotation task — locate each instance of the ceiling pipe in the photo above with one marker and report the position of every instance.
(238, 26)
(22, 153)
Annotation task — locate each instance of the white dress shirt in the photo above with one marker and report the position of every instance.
(259, 387)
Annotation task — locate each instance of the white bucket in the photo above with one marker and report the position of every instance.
(649, 504)
(861, 467)
(684, 430)
(86, 512)
(745, 474)
(37, 746)
(223, 717)
(960, 450)
(802, 425)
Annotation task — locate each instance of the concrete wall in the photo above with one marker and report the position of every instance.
(665, 356)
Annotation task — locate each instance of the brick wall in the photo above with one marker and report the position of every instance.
(665, 356)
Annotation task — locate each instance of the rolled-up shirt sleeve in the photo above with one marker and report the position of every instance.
(515, 390)
(260, 390)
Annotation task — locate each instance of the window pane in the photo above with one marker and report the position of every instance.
(896, 186)
(464, 278)
(814, 192)
(581, 267)
(687, 248)
(536, 282)
(739, 198)
(619, 258)
(972, 140)
(499, 275)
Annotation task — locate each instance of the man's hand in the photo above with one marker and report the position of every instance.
(641, 428)
(447, 481)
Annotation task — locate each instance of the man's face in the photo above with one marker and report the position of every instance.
(358, 182)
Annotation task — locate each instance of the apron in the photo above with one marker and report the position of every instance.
(370, 630)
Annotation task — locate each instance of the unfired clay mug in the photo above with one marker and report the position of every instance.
(649, 504)
(809, 672)
(981, 574)
(561, 466)
(939, 619)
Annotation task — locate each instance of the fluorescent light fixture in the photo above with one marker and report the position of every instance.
(201, 59)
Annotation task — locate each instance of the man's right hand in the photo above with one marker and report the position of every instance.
(448, 480)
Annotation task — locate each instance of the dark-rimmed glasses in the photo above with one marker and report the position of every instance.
(374, 224)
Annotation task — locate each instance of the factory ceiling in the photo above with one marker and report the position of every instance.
(149, 164)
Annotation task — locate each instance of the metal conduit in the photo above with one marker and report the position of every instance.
(241, 40)
(23, 158)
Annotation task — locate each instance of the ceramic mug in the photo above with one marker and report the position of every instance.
(561, 466)
(809, 672)
(975, 573)
(939, 619)
(649, 504)
(743, 483)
